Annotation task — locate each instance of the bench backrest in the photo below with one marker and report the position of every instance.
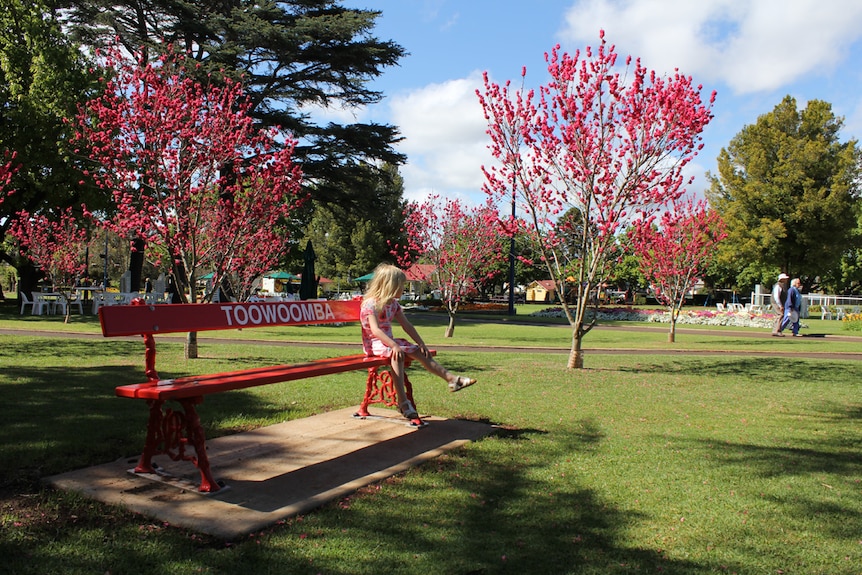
(142, 318)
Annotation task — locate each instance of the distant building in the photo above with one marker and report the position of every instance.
(419, 277)
(542, 291)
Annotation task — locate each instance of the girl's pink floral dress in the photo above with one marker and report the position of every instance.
(372, 345)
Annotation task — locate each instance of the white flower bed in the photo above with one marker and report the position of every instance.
(687, 317)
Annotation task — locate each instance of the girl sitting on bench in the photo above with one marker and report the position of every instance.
(379, 307)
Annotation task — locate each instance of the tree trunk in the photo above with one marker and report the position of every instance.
(576, 355)
(450, 329)
(191, 347)
(28, 279)
(671, 335)
(576, 360)
(136, 263)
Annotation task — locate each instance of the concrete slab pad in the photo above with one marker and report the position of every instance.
(274, 472)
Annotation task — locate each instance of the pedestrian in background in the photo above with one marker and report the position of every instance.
(779, 300)
(794, 306)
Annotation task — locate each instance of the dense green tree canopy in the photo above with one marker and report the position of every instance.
(349, 245)
(292, 56)
(42, 78)
(788, 190)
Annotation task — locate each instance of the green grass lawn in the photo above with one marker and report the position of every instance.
(641, 463)
(503, 331)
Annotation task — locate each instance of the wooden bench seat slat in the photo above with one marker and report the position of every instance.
(194, 386)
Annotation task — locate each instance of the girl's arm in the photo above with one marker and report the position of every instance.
(410, 330)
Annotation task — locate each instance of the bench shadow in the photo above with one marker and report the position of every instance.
(312, 485)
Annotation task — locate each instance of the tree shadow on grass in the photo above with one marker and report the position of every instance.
(771, 461)
(468, 512)
(761, 368)
(58, 418)
(502, 510)
(509, 515)
(828, 494)
(808, 472)
(60, 412)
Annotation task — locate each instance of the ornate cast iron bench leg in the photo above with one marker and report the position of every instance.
(168, 433)
(379, 388)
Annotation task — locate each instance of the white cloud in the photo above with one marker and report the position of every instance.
(444, 136)
(750, 46)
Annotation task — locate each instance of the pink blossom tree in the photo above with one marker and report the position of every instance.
(190, 173)
(610, 142)
(462, 243)
(674, 252)
(55, 246)
(7, 170)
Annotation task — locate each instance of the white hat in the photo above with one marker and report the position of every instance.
(783, 277)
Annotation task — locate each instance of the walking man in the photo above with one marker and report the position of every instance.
(779, 300)
(794, 305)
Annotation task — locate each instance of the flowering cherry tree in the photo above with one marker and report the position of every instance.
(610, 142)
(463, 244)
(7, 170)
(55, 246)
(673, 253)
(190, 173)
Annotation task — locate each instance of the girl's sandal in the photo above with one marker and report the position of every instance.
(461, 382)
(408, 411)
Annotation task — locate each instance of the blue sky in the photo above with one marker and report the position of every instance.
(752, 52)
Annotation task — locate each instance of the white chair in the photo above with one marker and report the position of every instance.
(74, 301)
(25, 301)
(825, 313)
(719, 306)
(40, 304)
(100, 299)
(56, 303)
(839, 313)
(59, 306)
(125, 298)
(159, 285)
(126, 282)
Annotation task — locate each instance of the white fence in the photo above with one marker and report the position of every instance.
(841, 304)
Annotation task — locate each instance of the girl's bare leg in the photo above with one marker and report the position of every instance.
(404, 404)
(456, 382)
(432, 366)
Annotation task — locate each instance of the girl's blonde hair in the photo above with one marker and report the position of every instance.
(385, 284)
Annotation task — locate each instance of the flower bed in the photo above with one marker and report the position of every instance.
(852, 322)
(688, 317)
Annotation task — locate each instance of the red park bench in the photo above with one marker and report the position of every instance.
(171, 432)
